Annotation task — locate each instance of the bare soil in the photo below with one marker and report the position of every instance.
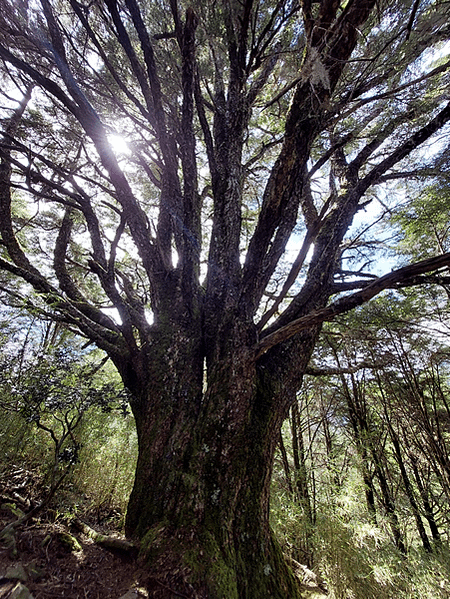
(59, 562)
(54, 567)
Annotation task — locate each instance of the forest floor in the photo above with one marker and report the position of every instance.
(53, 559)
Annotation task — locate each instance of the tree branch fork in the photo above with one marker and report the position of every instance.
(402, 277)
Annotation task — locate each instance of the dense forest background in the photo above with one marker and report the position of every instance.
(224, 291)
(361, 486)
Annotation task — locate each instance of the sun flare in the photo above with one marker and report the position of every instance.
(119, 144)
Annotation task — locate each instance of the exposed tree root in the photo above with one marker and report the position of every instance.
(106, 541)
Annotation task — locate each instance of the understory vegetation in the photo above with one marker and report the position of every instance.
(360, 485)
(361, 488)
(65, 416)
(224, 297)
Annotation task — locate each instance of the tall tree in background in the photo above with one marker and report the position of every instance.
(247, 124)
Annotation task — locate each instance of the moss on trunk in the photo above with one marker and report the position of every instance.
(200, 503)
(191, 563)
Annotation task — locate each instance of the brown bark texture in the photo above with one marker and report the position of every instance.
(230, 110)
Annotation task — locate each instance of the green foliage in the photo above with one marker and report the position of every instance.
(422, 223)
(290, 524)
(378, 400)
(355, 557)
(357, 560)
(107, 461)
(22, 443)
(65, 413)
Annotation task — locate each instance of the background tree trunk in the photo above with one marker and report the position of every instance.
(213, 356)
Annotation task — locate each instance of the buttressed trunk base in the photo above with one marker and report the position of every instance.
(200, 502)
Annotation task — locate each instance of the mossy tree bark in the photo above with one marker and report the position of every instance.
(200, 502)
(213, 357)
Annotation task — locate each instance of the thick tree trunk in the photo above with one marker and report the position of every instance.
(200, 502)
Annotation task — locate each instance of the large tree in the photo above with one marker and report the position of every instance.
(248, 124)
